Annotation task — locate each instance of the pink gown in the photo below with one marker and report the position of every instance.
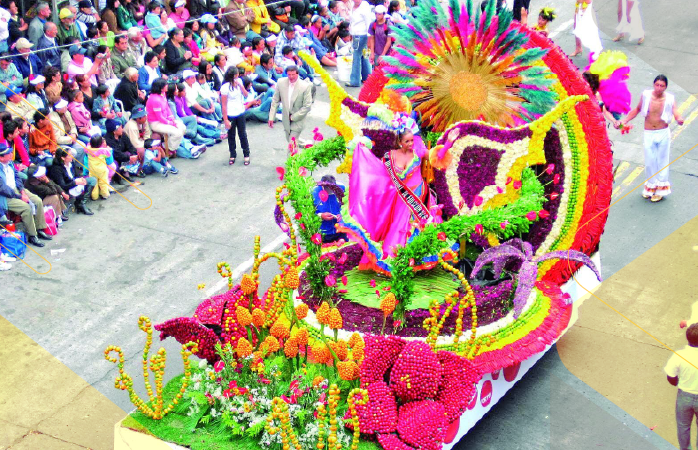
(380, 220)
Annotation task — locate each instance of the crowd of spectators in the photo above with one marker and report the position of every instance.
(97, 94)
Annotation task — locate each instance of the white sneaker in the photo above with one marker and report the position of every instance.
(5, 266)
(7, 258)
(195, 155)
(279, 117)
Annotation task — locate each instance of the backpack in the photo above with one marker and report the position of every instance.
(386, 25)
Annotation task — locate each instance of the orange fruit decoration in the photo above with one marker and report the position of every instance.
(301, 335)
(388, 303)
(348, 370)
(244, 348)
(272, 344)
(323, 314)
(248, 285)
(357, 354)
(280, 329)
(355, 340)
(291, 348)
(258, 317)
(340, 349)
(291, 279)
(318, 380)
(321, 353)
(302, 311)
(243, 316)
(335, 319)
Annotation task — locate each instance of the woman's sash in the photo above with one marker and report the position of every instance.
(412, 201)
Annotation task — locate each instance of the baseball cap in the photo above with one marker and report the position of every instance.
(23, 43)
(271, 38)
(75, 49)
(37, 171)
(4, 149)
(138, 112)
(62, 103)
(208, 18)
(187, 74)
(12, 90)
(180, 3)
(65, 14)
(85, 4)
(380, 9)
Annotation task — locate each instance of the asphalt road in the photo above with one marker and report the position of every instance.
(126, 261)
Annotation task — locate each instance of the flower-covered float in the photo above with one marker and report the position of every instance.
(403, 339)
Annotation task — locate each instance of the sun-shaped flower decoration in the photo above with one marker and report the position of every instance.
(468, 64)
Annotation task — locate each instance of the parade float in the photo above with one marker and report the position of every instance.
(363, 345)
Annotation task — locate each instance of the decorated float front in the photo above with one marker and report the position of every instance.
(479, 176)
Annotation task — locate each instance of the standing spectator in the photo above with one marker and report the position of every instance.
(47, 49)
(180, 14)
(101, 166)
(127, 91)
(67, 28)
(27, 63)
(66, 173)
(17, 27)
(361, 18)
(658, 107)
(295, 98)
(586, 32)
(49, 192)
(379, 41)
(162, 120)
(681, 372)
(20, 201)
(232, 95)
(121, 59)
(177, 57)
(36, 27)
(86, 13)
(9, 77)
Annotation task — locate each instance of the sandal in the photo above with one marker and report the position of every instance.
(641, 40)
(618, 38)
(247, 161)
(576, 53)
(656, 198)
(231, 161)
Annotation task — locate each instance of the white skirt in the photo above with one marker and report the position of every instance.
(633, 28)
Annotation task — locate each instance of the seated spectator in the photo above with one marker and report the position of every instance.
(191, 146)
(42, 140)
(88, 91)
(156, 159)
(328, 206)
(138, 131)
(262, 23)
(49, 192)
(127, 157)
(47, 48)
(281, 15)
(11, 138)
(106, 73)
(86, 13)
(394, 12)
(137, 47)
(162, 120)
(54, 84)
(179, 13)
(199, 130)
(257, 106)
(125, 18)
(17, 106)
(249, 61)
(36, 95)
(127, 90)
(211, 45)
(67, 28)
(316, 46)
(207, 95)
(27, 63)
(105, 35)
(199, 104)
(266, 75)
(259, 47)
(9, 77)
(239, 19)
(23, 136)
(288, 37)
(81, 116)
(177, 57)
(290, 59)
(121, 58)
(190, 44)
(156, 33)
(63, 126)
(343, 46)
(101, 166)
(66, 174)
(220, 65)
(109, 14)
(106, 107)
(149, 72)
(18, 199)
(81, 65)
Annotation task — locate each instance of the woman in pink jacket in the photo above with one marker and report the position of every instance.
(81, 116)
(160, 116)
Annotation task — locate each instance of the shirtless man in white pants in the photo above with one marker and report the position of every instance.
(658, 107)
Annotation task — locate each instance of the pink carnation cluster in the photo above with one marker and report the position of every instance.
(425, 392)
(208, 325)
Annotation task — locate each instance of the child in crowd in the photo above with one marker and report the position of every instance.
(289, 58)
(81, 116)
(155, 159)
(210, 37)
(105, 106)
(42, 139)
(343, 45)
(101, 165)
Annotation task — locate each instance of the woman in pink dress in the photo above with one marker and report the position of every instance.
(389, 200)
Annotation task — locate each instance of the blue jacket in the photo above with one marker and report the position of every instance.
(23, 65)
(143, 79)
(5, 190)
(51, 54)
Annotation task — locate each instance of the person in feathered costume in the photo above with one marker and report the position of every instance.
(612, 71)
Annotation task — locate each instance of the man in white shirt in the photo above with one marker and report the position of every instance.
(295, 97)
(192, 96)
(682, 371)
(82, 65)
(361, 19)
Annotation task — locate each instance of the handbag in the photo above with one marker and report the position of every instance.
(50, 216)
(13, 243)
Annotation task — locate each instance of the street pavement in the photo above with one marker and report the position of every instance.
(146, 256)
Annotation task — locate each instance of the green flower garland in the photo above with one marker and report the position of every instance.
(300, 189)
